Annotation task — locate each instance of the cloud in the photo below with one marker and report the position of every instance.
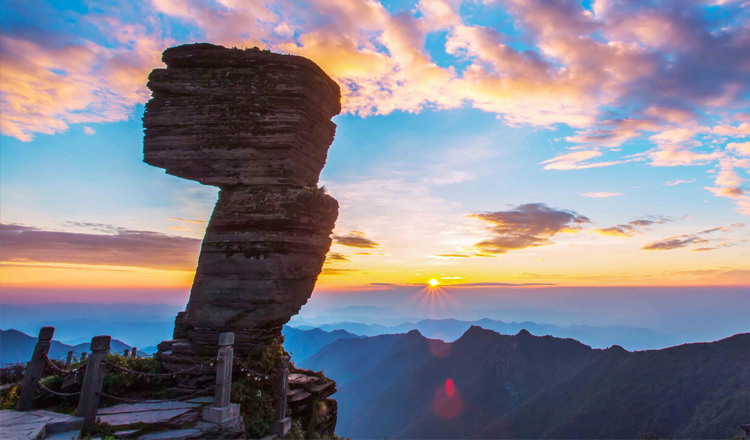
(187, 221)
(119, 247)
(51, 81)
(741, 148)
(681, 241)
(494, 284)
(334, 257)
(617, 72)
(678, 182)
(177, 228)
(89, 131)
(578, 160)
(633, 228)
(525, 226)
(333, 271)
(618, 231)
(601, 194)
(356, 239)
(676, 242)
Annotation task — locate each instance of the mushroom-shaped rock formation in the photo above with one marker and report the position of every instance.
(257, 125)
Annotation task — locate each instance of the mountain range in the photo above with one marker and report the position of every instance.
(17, 347)
(305, 343)
(488, 385)
(632, 338)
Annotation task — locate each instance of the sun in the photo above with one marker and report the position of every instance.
(434, 282)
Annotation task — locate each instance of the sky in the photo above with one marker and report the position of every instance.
(519, 144)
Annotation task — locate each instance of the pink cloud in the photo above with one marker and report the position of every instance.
(601, 194)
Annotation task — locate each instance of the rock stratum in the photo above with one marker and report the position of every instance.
(257, 125)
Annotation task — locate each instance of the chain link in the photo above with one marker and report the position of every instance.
(179, 399)
(245, 369)
(55, 393)
(127, 371)
(57, 371)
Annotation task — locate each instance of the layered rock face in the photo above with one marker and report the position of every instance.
(257, 125)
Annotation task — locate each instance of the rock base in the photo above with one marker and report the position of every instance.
(308, 400)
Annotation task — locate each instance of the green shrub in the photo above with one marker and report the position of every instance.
(256, 397)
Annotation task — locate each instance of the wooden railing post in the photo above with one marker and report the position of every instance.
(88, 403)
(283, 424)
(134, 353)
(223, 411)
(34, 369)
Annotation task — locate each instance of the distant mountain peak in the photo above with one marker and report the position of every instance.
(524, 333)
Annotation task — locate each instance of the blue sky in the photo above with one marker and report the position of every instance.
(631, 117)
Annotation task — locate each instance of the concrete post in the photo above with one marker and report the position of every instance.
(222, 410)
(70, 379)
(88, 403)
(83, 357)
(283, 424)
(134, 353)
(34, 369)
(69, 360)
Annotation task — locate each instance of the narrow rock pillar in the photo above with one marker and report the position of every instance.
(283, 424)
(91, 390)
(34, 369)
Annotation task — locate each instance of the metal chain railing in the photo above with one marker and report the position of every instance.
(55, 393)
(178, 399)
(244, 368)
(127, 371)
(61, 372)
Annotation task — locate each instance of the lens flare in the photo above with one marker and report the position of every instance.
(447, 402)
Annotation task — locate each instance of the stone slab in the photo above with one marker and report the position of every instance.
(24, 431)
(7, 415)
(67, 435)
(65, 425)
(178, 434)
(148, 417)
(129, 433)
(203, 400)
(36, 424)
(141, 407)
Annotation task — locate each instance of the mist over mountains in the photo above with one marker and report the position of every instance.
(449, 330)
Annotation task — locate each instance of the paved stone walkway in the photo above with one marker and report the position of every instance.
(171, 417)
(32, 425)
